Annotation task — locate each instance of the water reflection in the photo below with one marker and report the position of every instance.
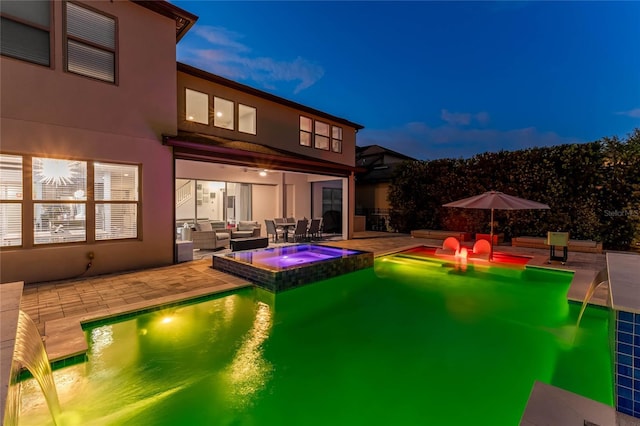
(249, 371)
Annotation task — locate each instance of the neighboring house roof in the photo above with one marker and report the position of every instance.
(184, 20)
(379, 163)
(377, 150)
(265, 95)
(199, 146)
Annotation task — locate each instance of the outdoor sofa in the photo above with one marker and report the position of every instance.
(246, 229)
(210, 235)
(584, 246)
(440, 235)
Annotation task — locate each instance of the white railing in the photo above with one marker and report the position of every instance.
(184, 194)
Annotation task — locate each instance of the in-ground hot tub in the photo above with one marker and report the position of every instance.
(282, 268)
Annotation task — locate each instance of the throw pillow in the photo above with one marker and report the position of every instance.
(203, 226)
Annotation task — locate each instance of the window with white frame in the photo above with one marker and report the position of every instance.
(336, 139)
(223, 113)
(306, 127)
(90, 42)
(196, 106)
(11, 204)
(25, 30)
(246, 119)
(321, 139)
(116, 193)
(59, 190)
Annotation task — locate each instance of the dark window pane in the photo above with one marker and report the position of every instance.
(24, 42)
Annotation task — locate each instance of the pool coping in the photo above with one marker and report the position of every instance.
(551, 405)
(10, 295)
(65, 338)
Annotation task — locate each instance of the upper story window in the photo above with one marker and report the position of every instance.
(321, 140)
(246, 119)
(90, 43)
(306, 127)
(197, 106)
(223, 113)
(25, 30)
(336, 139)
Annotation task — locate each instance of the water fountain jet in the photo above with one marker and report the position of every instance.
(29, 353)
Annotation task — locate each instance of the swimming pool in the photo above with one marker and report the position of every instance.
(404, 343)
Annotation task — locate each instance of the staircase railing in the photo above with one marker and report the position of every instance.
(184, 194)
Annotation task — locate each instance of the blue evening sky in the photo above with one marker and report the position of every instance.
(436, 79)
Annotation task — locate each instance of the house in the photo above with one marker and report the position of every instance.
(372, 184)
(249, 155)
(100, 127)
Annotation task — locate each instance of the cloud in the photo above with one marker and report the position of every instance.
(219, 36)
(634, 113)
(464, 118)
(225, 55)
(421, 141)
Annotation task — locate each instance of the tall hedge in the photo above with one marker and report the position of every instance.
(593, 190)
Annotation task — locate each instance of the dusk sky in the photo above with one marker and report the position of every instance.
(436, 79)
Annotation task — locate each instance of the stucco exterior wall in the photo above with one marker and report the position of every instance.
(46, 111)
(277, 125)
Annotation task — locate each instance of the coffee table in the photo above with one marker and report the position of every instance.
(248, 243)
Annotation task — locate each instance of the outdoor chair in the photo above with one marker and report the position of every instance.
(450, 247)
(558, 239)
(291, 219)
(481, 250)
(205, 237)
(300, 233)
(314, 229)
(273, 230)
(246, 229)
(278, 221)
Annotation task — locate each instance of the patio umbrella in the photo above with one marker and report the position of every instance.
(496, 200)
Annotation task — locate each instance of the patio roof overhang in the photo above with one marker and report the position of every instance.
(215, 149)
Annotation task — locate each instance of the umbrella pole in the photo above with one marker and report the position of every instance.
(491, 238)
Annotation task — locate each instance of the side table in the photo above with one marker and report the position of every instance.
(184, 251)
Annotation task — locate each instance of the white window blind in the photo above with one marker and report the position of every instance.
(10, 200)
(60, 186)
(116, 191)
(91, 43)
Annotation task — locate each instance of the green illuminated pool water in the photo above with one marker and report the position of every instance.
(407, 344)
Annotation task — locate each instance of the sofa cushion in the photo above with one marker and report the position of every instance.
(222, 235)
(247, 225)
(242, 234)
(203, 226)
(218, 224)
(582, 243)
